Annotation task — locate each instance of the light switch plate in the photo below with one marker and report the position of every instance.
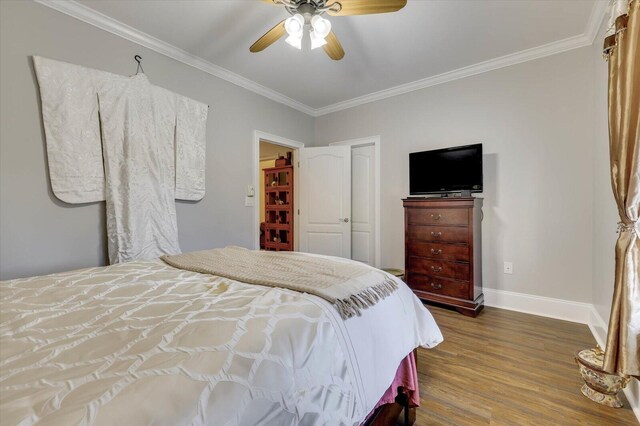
(248, 201)
(508, 267)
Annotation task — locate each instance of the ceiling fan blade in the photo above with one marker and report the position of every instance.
(333, 47)
(269, 38)
(367, 7)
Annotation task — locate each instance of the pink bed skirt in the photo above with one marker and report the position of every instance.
(407, 379)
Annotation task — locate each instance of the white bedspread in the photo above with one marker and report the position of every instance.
(144, 343)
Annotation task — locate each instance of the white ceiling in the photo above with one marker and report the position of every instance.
(425, 39)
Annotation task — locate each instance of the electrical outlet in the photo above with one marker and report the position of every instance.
(508, 268)
(248, 201)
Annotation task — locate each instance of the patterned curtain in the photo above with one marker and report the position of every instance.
(621, 49)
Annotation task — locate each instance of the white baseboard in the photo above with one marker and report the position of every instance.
(583, 313)
(598, 327)
(538, 305)
(632, 392)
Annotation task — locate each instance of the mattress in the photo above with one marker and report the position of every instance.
(144, 343)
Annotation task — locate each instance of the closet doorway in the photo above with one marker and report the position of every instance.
(365, 199)
(339, 203)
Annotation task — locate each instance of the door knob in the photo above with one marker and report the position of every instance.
(345, 220)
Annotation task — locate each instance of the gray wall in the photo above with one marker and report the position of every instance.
(41, 234)
(534, 120)
(605, 213)
(547, 193)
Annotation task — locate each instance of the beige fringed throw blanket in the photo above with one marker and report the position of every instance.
(349, 286)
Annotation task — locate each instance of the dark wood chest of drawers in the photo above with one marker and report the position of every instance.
(443, 259)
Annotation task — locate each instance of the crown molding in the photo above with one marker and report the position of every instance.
(585, 39)
(457, 74)
(113, 26)
(598, 15)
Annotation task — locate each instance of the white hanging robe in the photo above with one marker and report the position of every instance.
(72, 127)
(138, 133)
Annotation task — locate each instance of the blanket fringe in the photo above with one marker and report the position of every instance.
(352, 305)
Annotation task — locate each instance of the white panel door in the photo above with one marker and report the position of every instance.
(363, 204)
(325, 200)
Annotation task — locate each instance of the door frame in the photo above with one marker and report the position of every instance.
(375, 141)
(275, 140)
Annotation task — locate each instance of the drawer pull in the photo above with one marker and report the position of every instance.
(436, 286)
(434, 251)
(436, 268)
(434, 217)
(436, 234)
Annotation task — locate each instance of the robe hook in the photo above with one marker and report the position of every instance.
(138, 58)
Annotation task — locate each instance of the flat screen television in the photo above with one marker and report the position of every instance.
(446, 170)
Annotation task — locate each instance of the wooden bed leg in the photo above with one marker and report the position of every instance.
(406, 413)
(411, 417)
(409, 412)
(400, 410)
(391, 414)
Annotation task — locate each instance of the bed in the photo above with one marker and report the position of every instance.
(145, 343)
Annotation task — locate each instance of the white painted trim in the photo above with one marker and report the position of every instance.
(104, 22)
(597, 326)
(278, 140)
(375, 140)
(255, 164)
(598, 14)
(113, 26)
(634, 401)
(538, 305)
(457, 74)
(585, 39)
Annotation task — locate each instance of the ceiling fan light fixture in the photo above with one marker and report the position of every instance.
(321, 27)
(294, 25)
(308, 13)
(295, 41)
(316, 40)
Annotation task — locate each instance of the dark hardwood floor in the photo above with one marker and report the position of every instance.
(508, 368)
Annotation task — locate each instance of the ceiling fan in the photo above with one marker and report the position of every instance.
(308, 14)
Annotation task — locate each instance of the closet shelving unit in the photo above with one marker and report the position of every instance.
(278, 208)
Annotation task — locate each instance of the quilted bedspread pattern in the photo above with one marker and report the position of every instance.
(145, 343)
